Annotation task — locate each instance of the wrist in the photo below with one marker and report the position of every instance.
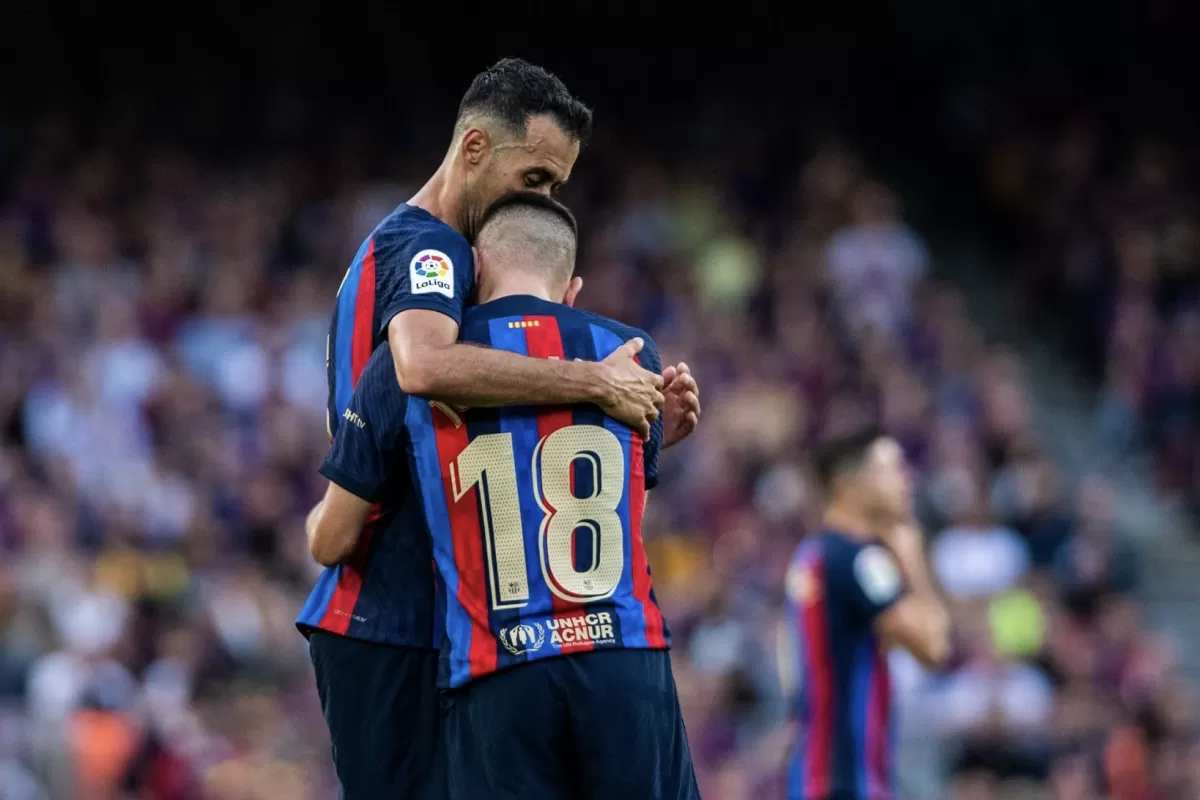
(598, 382)
(913, 568)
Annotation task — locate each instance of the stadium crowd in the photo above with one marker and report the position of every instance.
(1108, 233)
(162, 386)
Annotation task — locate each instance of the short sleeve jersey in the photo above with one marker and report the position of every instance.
(385, 592)
(536, 512)
(836, 588)
(411, 260)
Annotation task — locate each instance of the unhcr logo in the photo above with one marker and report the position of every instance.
(521, 639)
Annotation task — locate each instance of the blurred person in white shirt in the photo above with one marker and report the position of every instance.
(993, 696)
(874, 264)
(975, 557)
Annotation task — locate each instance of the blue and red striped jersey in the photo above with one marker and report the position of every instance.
(836, 587)
(411, 260)
(535, 513)
(385, 592)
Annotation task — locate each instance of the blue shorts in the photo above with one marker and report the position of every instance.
(597, 725)
(383, 711)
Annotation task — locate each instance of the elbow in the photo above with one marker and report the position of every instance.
(323, 554)
(326, 548)
(328, 556)
(936, 654)
(416, 370)
(937, 644)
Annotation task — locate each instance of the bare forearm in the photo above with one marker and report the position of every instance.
(934, 614)
(915, 570)
(310, 524)
(482, 377)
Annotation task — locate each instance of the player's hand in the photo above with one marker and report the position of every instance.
(681, 410)
(633, 394)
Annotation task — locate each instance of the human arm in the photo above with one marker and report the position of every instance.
(424, 280)
(919, 621)
(334, 525)
(360, 463)
(430, 362)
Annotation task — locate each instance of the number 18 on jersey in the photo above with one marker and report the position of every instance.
(536, 520)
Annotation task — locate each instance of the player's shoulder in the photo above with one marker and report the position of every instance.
(620, 333)
(625, 332)
(812, 550)
(409, 221)
(840, 551)
(410, 231)
(867, 564)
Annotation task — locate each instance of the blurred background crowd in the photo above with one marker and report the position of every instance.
(170, 246)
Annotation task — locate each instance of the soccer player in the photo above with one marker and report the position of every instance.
(518, 127)
(535, 516)
(855, 589)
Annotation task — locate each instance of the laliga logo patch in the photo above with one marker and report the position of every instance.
(877, 574)
(431, 271)
(521, 639)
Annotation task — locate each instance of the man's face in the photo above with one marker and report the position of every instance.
(886, 480)
(541, 163)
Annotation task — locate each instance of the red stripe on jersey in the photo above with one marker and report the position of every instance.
(818, 761)
(543, 339)
(878, 703)
(349, 584)
(637, 557)
(363, 343)
(340, 611)
(467, 539)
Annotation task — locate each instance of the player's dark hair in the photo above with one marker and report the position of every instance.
(844, 454)
(533, 200)
(513, 90)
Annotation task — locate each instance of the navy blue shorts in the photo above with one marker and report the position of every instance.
(600, 725)
(383, 711)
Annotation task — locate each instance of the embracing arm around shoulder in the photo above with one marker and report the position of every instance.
(430, 362)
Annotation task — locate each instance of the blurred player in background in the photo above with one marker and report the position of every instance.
(368, 617)
(855, 589)
(535, 516)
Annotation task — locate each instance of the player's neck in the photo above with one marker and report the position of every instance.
(850, 521)
(514, 283)
(436, 198)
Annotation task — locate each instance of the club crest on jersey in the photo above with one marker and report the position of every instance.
(431, 271)
(802, 585)
(523, 638)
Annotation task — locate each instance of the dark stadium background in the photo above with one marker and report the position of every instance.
(1040, 150)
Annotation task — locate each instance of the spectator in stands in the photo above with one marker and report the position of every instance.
(1095, 561)
(875, 264)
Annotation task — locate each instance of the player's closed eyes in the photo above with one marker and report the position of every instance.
(536, 179)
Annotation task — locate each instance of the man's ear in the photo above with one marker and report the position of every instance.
(475, 146)
(475, 260)
(572, 291)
